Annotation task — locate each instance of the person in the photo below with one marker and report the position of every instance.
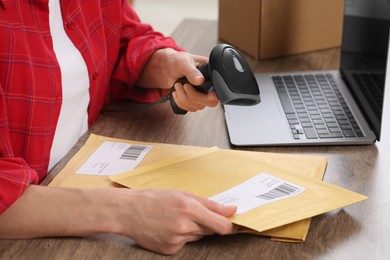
(61, 62)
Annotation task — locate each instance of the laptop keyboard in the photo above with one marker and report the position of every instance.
(315, 108)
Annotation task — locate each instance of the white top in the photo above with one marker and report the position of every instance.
(73, 120)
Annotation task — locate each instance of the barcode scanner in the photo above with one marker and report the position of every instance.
(229, 75)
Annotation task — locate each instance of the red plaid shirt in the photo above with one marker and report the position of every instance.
(115, 47)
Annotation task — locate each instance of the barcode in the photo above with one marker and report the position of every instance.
(280, 191)
(133, 152)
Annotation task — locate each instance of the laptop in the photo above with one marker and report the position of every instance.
(341, 107)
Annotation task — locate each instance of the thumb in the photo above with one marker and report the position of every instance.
(224, 210)
(194, 76)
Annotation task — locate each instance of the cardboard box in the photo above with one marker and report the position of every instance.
(272, 28)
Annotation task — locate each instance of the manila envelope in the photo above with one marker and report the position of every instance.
(159, 152)
(310, 166)
(217, 171)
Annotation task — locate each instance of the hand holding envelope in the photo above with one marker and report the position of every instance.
(211, 171)
(220, 170)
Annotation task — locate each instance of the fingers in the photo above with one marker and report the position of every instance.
(183, 100)
(181, 218)
(188, 98)
(208, 217)
(213, 217)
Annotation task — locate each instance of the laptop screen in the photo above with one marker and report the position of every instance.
(364, 55)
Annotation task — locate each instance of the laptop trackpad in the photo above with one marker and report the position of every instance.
(260, 124)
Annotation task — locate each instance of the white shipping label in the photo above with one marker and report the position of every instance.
(257, 191)
(113, 158)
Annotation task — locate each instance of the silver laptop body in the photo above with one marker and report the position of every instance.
(364, 51)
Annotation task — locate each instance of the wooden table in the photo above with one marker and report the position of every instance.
(360, 231)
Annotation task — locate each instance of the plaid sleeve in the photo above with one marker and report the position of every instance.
(15, 174)
(138, 42)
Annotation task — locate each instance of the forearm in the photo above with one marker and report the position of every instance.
(160, 220)
(44, 211)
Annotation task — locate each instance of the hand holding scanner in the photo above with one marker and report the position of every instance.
(229, 75)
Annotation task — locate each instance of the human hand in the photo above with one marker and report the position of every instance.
(159, 220)
(164, 221)
(166, 66)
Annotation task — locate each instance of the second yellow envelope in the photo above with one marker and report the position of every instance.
(220, 170)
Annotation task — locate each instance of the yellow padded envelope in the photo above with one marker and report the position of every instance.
(159, 152)
(217, 171)
(162, 154)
